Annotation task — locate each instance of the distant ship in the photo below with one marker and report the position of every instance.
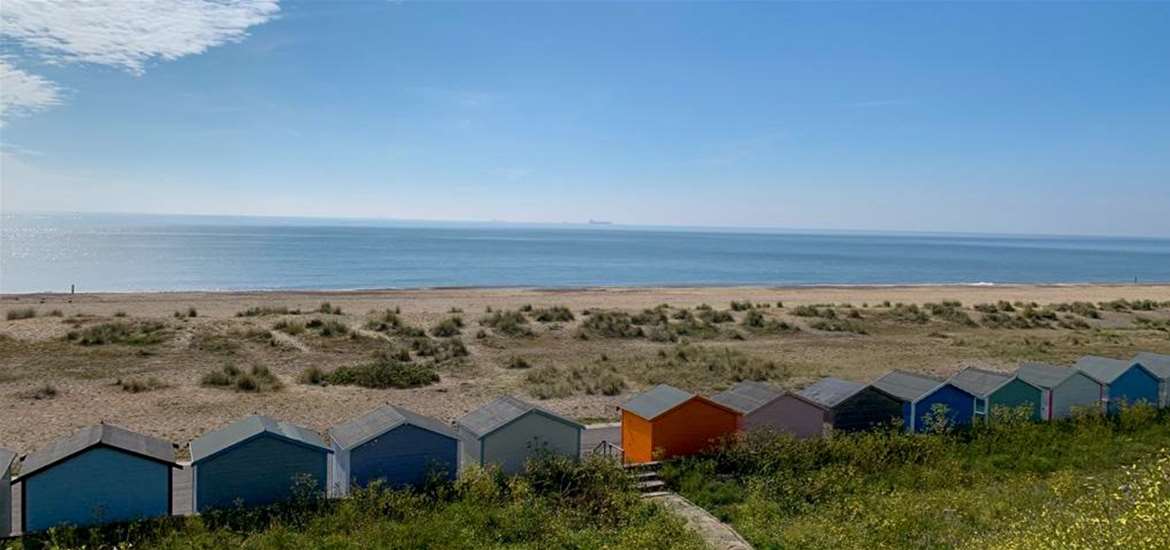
(599, 222)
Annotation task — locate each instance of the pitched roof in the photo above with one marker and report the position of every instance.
(381, 420)
(1156, 363)
(747, 396)
(651, 403)
(1102, 369)
(214, 442)
(6, 459)
(979, 382)
(830, 392)
(1043, 375)
(906, 386)
(91, 436)
(501, 412)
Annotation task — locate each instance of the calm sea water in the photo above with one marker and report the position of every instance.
(127, 253)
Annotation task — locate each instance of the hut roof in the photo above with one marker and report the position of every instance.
(381, 420)
(92, 436)
(830, 392)
(1156, 363)
(979, 382)
(6, 459)
(747, 396)
(1102, 369)
(215, 442)
(655, 401)
(1043, 375)
(504, 411)
(906, 386)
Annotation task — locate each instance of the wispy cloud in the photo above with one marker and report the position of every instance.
(126, 34)
(23, 93)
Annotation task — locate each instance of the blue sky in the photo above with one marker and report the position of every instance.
(1021, 118)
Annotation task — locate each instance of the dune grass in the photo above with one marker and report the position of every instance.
(887, 489)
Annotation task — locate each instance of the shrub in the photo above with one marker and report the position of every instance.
(384, 372)
(139, 333)
(139, 385)
(553, 314)
(448, 327)
(258, 379)
(509, 323)
(20, 313)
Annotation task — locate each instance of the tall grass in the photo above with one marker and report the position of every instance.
(896, 490)
(554, 503)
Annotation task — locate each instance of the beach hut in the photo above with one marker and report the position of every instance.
(6, 460)
(849, 406)
(101, 474)
(920, 395)
(665, 422)
(1123, 382)
(508, 432)
(394, 445)
(996, 389)
(1064, 389)
(764, 407)
(1158, 364)
(256, 461)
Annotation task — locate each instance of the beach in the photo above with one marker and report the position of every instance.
(193, 333)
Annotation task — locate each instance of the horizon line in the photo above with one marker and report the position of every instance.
(591, 223)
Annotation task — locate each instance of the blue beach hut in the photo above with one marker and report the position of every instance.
(1158, 364)
(101, 474)
(919, 395)
(394, 445)
(6, 459)
(256, 461)
(1122, 381)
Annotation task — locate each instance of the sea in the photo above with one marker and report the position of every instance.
(129, 253)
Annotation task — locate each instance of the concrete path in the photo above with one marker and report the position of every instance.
(717, 534)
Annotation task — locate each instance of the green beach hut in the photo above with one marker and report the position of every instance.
(996, 389)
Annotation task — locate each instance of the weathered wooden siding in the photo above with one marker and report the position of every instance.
(691, 427)
(100, 485)
(1017, 393)
(404, 456)
(1136, 385)
(865, 410)
(960, 406)
(790, 415)
(262, 470)
(1077, 391)
(637, 438)
(527, 437)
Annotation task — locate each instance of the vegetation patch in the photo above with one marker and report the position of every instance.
(140, 333)
(507, 322)
(384, 371)
(256, 380)
(141, 385)
(20, 313)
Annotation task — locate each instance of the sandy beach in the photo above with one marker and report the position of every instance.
(37, 352)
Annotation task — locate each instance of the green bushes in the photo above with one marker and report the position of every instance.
(508, 323)
(257, 380)
(384, 371)
(451, 326)
(554, 503)
(890, 489)
(139, 333)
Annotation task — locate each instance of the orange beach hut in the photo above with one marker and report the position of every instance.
(665, 422)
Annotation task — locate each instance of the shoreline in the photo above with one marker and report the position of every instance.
(16, 296)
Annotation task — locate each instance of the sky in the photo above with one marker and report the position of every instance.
(1047, 118)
